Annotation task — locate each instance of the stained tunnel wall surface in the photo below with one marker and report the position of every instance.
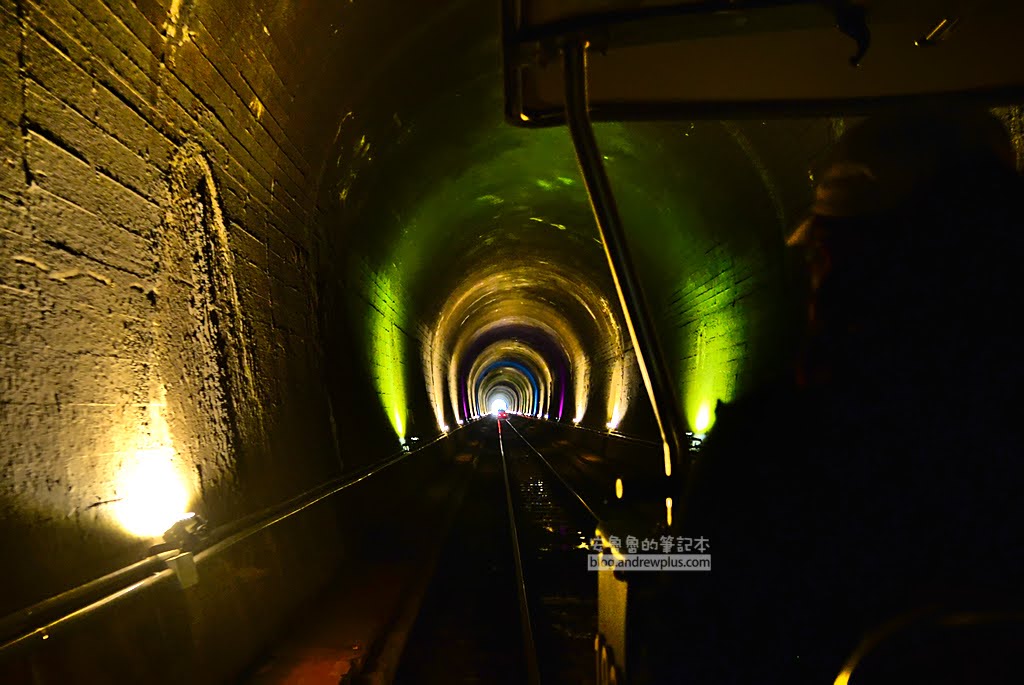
(228, 231)
(158, 243)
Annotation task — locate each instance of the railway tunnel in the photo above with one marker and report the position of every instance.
(272, 266)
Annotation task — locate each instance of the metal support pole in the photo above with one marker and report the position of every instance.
(634, 307)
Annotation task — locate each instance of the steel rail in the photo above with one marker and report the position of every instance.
(529, 646)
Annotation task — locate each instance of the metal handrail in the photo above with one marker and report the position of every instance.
(649, 356)
(41, 633)
(38, 622)
(41, 611)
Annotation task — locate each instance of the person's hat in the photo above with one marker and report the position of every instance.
(882, 161)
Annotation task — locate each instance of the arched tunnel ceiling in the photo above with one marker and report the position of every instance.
(475, 225)
(240, 239)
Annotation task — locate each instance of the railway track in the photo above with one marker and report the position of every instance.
(512, 600)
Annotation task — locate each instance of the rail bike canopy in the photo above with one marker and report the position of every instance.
(663, 60)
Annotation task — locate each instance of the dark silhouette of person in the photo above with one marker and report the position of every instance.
(884, 474)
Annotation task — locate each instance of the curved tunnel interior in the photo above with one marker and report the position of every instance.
(247, 250)
(488, 242)
(322, 240)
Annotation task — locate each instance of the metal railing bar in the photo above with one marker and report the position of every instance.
(36, 620)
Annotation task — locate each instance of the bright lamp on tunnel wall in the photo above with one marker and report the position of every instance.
(616, 419)
(154, 493)
(703, 419)
(387, 351)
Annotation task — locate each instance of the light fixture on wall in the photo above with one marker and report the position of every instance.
(154, 495)
(185, 537)
(186, 534)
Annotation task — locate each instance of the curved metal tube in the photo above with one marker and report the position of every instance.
(634, 307)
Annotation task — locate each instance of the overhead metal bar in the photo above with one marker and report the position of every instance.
(739, 59)
(637, 316)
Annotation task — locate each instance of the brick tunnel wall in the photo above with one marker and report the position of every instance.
(159, 243)
(727, 317)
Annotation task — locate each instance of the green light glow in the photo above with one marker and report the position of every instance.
(710, 372)
(388, 353)
(560, 227)
(482, 245)
(706, 237)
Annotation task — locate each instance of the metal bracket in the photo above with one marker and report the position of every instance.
(852, 20)
(184, 567)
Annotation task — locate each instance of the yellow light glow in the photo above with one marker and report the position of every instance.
(494, 298)
(582, 383)
(668, 511)
(153, 493)
(605, 542)
(703, 418)
(619, 385)
(618, 488)
(844, 677)
(668, 459)
(615, 419)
